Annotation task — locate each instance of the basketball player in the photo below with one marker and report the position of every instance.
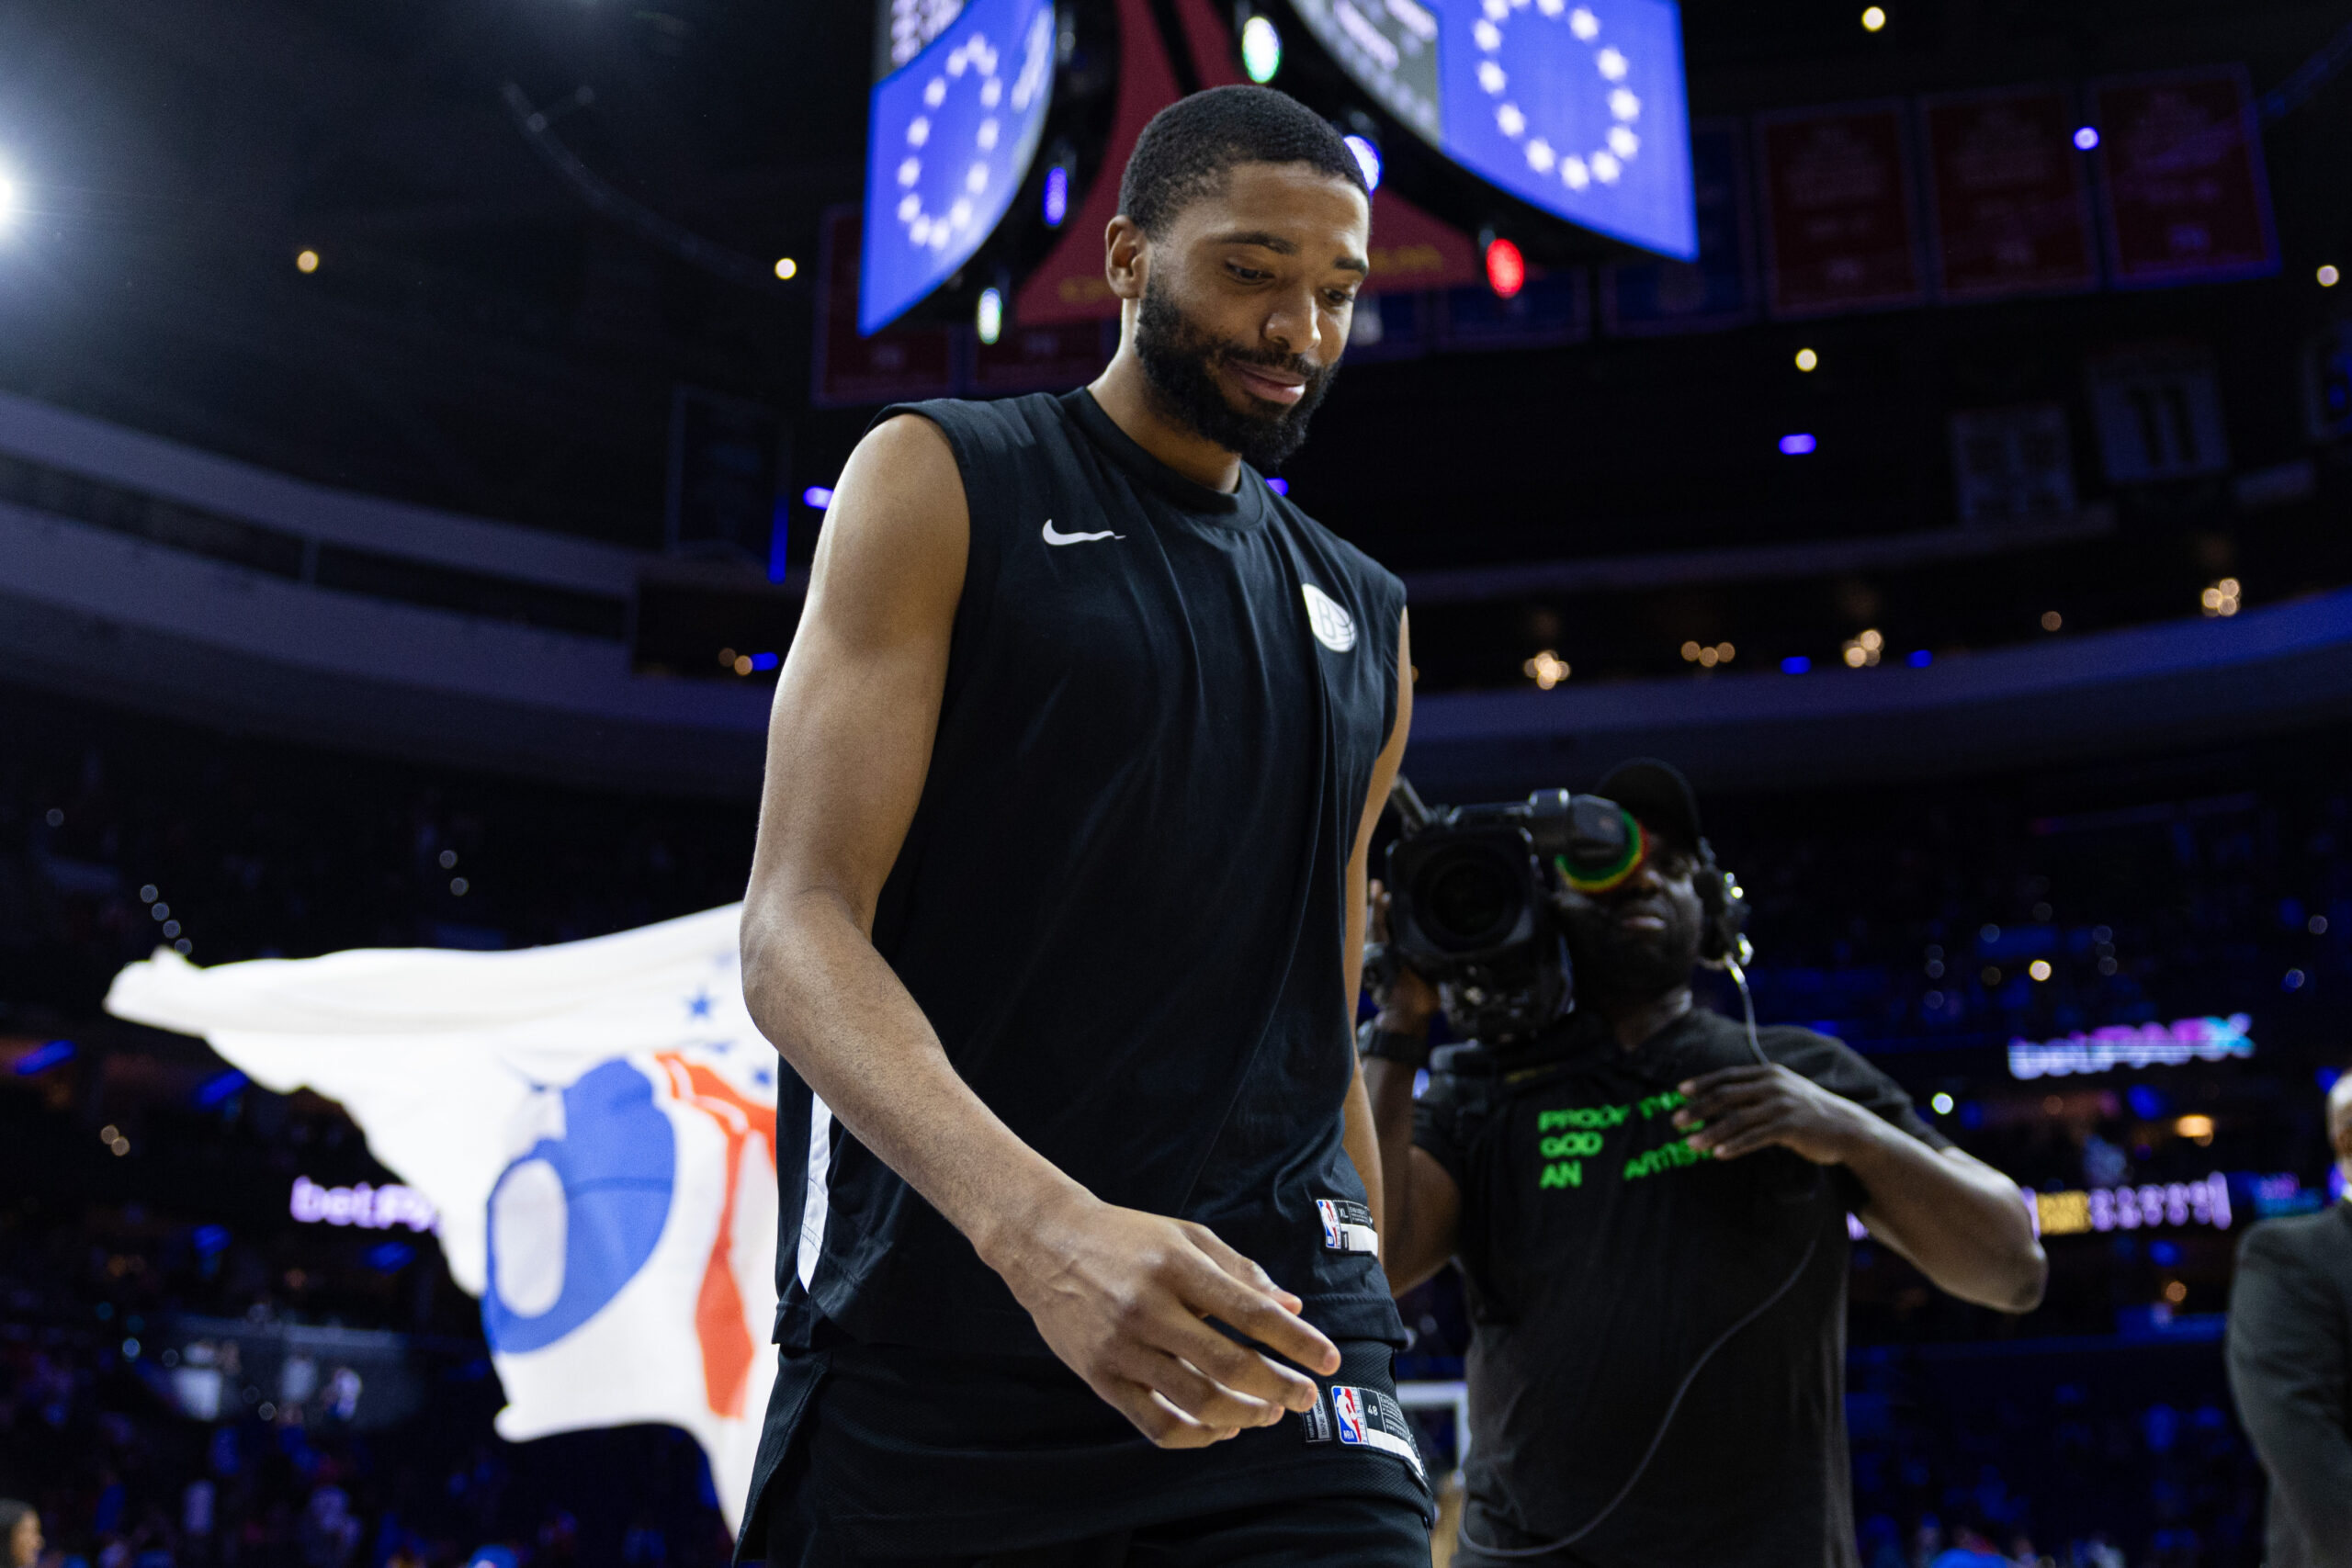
(1071, 777)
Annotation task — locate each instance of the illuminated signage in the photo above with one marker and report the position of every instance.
(1576, 107)
(950, 129)
(369, 1208)
(2134, 1045)
(2205, 1202)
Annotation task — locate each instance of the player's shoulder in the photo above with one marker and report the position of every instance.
(1372, 583)
(981, 427)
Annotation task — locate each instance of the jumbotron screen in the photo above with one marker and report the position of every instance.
(1576, 107)
(959, 99)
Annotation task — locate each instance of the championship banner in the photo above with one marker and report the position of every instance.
(2181, 164)
(595, 1122)
(2009, 201)
(1647, 299)
(1837, 226)
(1042, 359)
(896, 364)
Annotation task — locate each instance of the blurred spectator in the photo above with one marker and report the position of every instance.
(20, 1537)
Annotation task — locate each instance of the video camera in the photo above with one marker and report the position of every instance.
(1472, 904)
(1470, 899)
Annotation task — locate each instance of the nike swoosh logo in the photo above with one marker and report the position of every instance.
(1053, 537)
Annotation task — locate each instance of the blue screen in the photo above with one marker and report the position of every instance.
(949, 136)
(1573, 106)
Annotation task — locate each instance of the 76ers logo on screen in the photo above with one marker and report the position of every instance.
(1347, 1404)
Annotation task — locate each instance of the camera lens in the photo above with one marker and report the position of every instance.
(1469, 900)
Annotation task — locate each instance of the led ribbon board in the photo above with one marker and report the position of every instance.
(1576, 107)
(951, 127)
(2205, 1202)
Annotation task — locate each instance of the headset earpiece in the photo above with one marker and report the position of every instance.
(1724, 902)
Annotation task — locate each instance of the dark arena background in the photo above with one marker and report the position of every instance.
(416, 421)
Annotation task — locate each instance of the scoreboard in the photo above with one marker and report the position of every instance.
(1575, 107)
(958, 103)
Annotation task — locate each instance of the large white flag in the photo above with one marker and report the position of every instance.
(596, 1122)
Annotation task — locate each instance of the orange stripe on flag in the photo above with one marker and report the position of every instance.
(727, 1346)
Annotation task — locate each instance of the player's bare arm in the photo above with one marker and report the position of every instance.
(1366, 1147)
(1123, 1297)
(1424, 1202)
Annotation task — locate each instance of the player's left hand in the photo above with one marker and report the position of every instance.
(1741, 1109)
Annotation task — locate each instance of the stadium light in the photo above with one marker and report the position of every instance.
(988, 316)
(1367, 159)
(1261, 49)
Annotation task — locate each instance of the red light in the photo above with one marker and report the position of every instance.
(1506, 268)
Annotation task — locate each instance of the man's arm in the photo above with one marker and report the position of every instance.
(2289, 1368)
(1424, 1201)
(1358, 1131)
(1424, 1211)
(1121, 1296)
(1959, 1220)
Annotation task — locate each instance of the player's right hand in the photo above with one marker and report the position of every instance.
(1123, 1297)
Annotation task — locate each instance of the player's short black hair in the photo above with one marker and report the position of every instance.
(1186, 151)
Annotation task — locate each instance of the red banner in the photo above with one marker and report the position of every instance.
(1068, 285)
(2009, 202)
(1837, 226)
(895, 365)
(2185, 198)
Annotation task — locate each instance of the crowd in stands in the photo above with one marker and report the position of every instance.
(1908, 919)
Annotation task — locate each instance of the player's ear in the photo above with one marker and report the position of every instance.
(1126, 257)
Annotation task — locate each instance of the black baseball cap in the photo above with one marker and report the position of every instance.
(1659, 797)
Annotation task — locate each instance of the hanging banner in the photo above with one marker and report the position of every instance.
(588, 1129)
(896, 364)
(1042, 359)
(1838, 233)
(2181, 172)
(2008, 201)
(1647, 299)
(1549, 308)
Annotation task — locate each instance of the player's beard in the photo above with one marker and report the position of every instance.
(1179, 360)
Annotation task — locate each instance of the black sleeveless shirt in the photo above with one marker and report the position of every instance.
(1119, 903)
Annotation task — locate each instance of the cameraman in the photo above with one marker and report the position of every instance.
(1652, 1226)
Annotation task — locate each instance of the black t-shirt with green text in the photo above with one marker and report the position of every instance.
(1602, 1256)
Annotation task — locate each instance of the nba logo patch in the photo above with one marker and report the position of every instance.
(1347, 1404)
(1347, 1225)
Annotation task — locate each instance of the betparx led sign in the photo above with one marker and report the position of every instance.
(2135, 1046)
(952, 124)
(1575, 107)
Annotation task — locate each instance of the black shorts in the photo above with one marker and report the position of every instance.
(886, 1457)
